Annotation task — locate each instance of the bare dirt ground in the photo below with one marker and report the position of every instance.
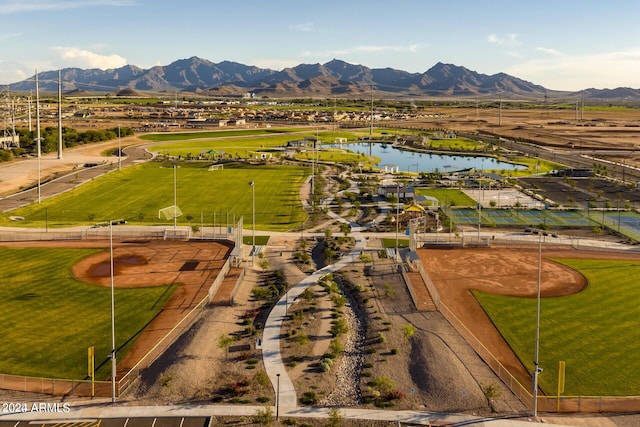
(22, 173)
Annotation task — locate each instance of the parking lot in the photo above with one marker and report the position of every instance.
(578, 192)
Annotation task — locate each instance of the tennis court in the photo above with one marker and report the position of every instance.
(504, 197)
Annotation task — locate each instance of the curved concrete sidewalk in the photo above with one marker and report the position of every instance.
(271, 355)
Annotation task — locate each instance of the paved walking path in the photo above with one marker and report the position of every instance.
(102, 410)
(271, 355)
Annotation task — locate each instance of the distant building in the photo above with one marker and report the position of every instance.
(574, 173)
(394, 190)
(389, 168)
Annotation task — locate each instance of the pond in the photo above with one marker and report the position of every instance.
(411, 161)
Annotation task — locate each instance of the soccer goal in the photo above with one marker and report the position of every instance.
(170, 212)
(216, 168)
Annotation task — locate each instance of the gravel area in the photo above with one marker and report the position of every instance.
(347, 391)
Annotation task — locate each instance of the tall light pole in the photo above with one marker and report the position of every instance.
(175, 200)
(278, 397)
(253, 220)
(113, 318)
(536, 367)
(397, 219)
(119, 150)
(38, 142)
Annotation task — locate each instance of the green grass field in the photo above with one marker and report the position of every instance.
(137, 193)
(184, 136)
(448, 196)
(244, 143)
(596, 332)
(50, 318)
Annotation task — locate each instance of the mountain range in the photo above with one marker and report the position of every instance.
(335, 78)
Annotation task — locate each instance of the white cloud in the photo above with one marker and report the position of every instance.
(76, 57)
(4, 37)
(509, 39)
(12, 72)
(306, 27)
(21, 6)
(549, 51)
(604, 70)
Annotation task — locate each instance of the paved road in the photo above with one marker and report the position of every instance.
(74, 162)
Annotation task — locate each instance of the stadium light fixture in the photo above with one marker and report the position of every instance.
(113, 317)
(536, 367)
(253, 219)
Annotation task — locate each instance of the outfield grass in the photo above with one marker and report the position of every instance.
(391, 243)
(50, 318)
(448, 196)
(137, 193)
(596, 332)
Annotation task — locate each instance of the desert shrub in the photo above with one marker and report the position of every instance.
(308, 398)
(336, 347)
(383, 384)
(165, 380)
(302, 339)
(261, 378)
(335, 418)
(264, 417)
(339, 327)
(339, 301)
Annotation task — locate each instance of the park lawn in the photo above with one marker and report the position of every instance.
(534, 166)
(50, 318)
(339, 156)
(448, 196)
(138, 192)
(595, 332)
(454, 144)
(232, 147)
(243, 145)
(184, 136)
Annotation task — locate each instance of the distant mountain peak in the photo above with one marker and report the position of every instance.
(199, 75)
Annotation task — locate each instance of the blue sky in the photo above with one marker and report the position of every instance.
(561, 44)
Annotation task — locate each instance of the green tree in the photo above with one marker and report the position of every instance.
(224, 342)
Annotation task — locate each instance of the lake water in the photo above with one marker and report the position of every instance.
(410, 161)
